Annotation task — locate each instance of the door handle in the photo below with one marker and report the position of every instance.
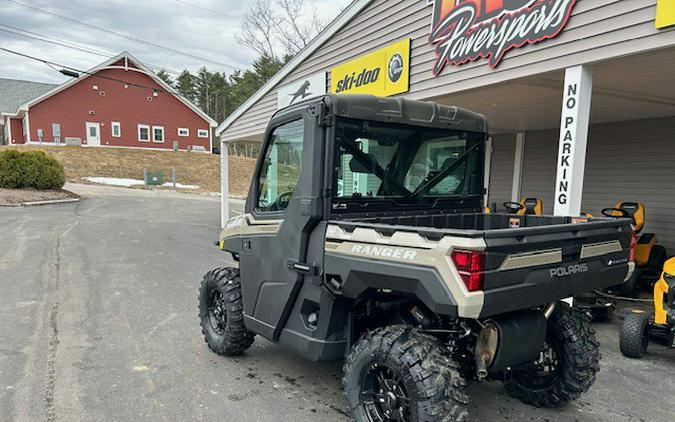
(302, 268)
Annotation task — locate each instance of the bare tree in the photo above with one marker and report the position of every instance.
(280, 27)
(259, 27)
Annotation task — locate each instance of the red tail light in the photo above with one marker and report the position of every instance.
(471, 266)
(633, 244)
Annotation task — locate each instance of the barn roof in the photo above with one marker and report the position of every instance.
(131, 62)
(14, 93)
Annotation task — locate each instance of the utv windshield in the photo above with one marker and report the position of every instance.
(407, 164)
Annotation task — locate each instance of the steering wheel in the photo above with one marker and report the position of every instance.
(609, 212)
(283, 200)
(513, 207)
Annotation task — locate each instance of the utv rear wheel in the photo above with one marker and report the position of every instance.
(398, 373)
(566, 367)
(634, 335)
(221, 313)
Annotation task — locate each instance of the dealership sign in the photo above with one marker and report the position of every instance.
(303, 89)
(665, 13)
(384, 72)
(466, 30)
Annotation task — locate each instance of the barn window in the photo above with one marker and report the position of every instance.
(203, 133)
(116, 128)
(144, 133)
(158, 134)
(183, 131)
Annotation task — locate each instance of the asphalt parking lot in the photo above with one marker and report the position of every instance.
(98, 321)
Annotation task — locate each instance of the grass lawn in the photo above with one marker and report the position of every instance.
(191, 168)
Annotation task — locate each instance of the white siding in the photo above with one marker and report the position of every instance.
(501, 169)
(598, 30)
(627, 161)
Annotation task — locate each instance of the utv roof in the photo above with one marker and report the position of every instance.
(403, 111)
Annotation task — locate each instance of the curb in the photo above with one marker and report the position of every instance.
(42, 203)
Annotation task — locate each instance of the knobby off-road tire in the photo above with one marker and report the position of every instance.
(634, 335)
(572, 344)
(221, 313)
(404, 372)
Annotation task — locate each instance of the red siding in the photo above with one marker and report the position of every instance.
(130, 106)
(17, 131)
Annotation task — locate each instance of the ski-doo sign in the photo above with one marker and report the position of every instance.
(467, 30)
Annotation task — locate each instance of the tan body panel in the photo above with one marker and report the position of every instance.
(411, 248)
(247, 225)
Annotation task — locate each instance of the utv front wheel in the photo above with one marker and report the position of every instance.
(398, 373)
(221, 312)
(566, 367)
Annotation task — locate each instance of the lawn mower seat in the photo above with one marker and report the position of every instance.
(532, 206)
(636, 210)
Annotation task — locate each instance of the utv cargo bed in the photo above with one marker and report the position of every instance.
(528, 260)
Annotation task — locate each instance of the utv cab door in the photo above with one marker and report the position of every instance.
(285, 199)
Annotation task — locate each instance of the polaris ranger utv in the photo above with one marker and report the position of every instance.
(364, 239)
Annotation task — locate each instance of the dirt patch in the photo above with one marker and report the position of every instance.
(191, 168)
(22, 196)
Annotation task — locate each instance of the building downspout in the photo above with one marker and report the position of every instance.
(8, 125)
(27, 134)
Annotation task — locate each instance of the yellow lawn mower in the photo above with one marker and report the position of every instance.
(649, 256)
(639, 327)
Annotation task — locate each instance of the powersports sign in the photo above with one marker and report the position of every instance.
(384, 72)
(467, 30)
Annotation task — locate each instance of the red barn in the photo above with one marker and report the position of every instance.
(120, 103)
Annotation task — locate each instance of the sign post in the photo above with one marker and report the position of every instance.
(576, 111)
(224, 184)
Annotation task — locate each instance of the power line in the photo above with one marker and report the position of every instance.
(74, 69)
(118, 34)
(53, 42)
(72, 45)
(205, 9)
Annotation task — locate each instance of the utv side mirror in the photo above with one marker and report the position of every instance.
(356, 166)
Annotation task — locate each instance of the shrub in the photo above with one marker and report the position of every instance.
(30, 169)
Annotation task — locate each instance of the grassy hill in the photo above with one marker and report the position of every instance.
(191, 168)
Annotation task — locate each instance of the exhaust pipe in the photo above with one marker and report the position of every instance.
(510, 340)
(486, 349)
(549, 310)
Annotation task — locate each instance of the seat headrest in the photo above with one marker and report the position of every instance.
(636, 210)
(533, 206)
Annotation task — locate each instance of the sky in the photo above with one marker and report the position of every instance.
(202, 28)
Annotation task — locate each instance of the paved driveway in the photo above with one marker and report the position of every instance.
(98, 321)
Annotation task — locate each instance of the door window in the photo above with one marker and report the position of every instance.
(281, 167)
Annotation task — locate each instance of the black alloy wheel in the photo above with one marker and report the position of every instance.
(384, 394)
(217, 312)
(221, 312)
